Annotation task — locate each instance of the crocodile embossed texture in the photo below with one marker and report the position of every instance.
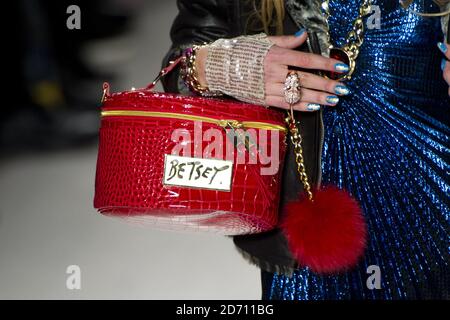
(130, 166)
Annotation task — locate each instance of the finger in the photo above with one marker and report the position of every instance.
(307, 60)
(319, 97)
(279, 102)
(312, 81)
(445, 49)
(308, 95)
(275, 72)
(291, 41)
(445, 66)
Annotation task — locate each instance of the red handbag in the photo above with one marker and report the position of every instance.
(188, 162)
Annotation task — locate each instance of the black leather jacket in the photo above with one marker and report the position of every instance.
(201, 21)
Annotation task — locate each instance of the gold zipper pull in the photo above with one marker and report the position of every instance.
(232, 124)
(235, 126)
(105, 91)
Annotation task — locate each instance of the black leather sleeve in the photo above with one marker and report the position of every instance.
(198, 21)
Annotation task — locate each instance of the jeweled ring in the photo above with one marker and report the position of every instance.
(292, 88)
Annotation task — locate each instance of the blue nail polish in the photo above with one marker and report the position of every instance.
(332, 99)
(313, 106)
(299, 32)
(341, 89)
(443, 63)
(442, 47)
(341, 67)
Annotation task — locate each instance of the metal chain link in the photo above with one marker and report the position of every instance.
(354, 40)
(190, 76)
(355, 37)
(296, 140)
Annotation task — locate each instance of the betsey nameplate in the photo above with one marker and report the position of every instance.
(197, 172)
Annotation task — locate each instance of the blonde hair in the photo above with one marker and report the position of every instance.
(269, 14)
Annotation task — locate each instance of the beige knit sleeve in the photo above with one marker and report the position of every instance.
(236, 67)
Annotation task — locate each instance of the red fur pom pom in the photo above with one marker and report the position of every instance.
(327, 235)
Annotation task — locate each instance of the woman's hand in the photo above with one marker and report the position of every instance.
(445, 65)
(316, 90)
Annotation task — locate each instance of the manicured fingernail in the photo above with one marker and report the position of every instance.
(341, 67)
(299, 32)
(313, 106)
(442, 47)
(341, 89)
(443, 63)
(332, 99)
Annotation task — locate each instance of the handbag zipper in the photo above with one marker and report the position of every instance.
(224, 123)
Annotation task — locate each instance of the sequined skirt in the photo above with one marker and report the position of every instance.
(388, 144)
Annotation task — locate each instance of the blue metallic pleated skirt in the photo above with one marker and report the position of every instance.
(387, 143)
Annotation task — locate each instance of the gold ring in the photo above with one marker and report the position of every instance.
(292, 88)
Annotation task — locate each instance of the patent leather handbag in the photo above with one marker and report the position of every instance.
(189, 162)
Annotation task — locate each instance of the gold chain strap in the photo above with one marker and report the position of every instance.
(296, 140)
(355, 37)
(354, 40)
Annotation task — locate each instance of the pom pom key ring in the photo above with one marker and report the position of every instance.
(325, 231)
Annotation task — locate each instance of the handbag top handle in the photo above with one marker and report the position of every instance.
(151, 85)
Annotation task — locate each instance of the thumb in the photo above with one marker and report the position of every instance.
(290, 42)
